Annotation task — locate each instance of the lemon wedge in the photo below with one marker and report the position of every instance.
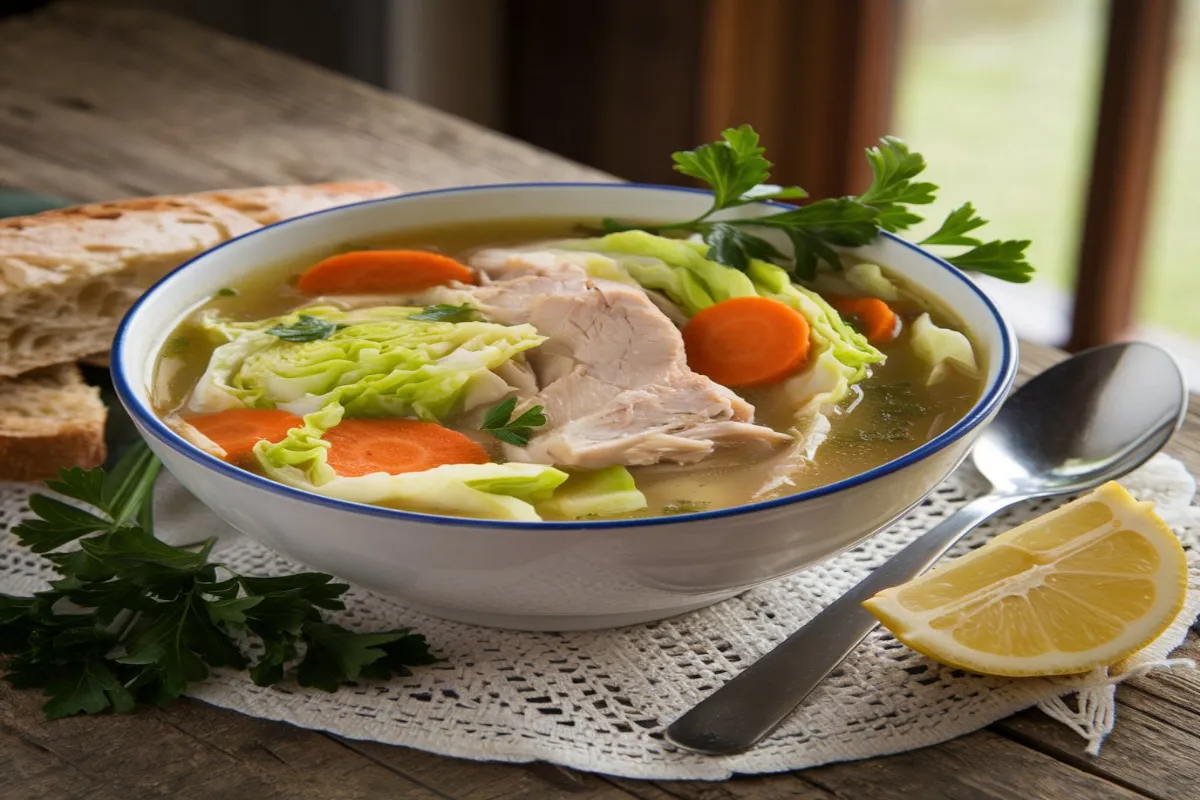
(1084, 586)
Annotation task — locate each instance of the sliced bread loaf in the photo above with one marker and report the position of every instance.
(49, 418)
(68, 276)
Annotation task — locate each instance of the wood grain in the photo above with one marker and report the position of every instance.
(97, 105)
(161, 118)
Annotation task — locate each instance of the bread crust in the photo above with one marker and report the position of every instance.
(49, 419)
(38, 457)
(67, 276)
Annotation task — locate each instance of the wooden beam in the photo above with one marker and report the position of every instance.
(1124, 156)
(814, 78)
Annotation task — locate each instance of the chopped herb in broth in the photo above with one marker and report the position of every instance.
(305, 329)
(685, 507)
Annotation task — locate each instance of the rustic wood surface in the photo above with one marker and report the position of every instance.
(97, 104)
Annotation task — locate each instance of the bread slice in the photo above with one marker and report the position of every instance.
(68, 276)
(49, 418)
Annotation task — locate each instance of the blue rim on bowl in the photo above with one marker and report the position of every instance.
(149, 422)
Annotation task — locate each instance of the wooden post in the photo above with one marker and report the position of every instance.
(611, 83)
(1123, 162)
(814, 78)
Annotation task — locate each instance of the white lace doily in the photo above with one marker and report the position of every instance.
(598, 701)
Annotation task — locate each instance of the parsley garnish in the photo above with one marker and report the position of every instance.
(518, 431)
(685, 507)
(736, 169)
(134, 619)
(227, 292)
(306, 329)
(445, 312)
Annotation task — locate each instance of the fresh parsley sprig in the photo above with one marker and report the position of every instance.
(132, 618)
(517, 431)
(737, 171)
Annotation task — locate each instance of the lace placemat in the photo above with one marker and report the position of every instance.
(598, 701)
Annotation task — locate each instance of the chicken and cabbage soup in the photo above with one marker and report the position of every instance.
(519, 370)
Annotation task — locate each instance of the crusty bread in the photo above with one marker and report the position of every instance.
(68, 276)
(49, 418)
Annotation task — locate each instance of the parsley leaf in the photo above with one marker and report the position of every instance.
(1004, 260)
(86, 687)
(335, 654)
(445, 312)
(737, 170)
(734, 247)
(306, 329)
(892, 187)
(956, 226)
(148, 618)
(516, 432)
(732, 166)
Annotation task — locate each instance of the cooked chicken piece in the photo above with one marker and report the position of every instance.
(783, 465)
(497, 263)
(614, 379)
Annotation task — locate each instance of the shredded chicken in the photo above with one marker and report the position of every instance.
(613, 376)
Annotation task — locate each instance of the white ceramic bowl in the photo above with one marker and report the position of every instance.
(549, 575)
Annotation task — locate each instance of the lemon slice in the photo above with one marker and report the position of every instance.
(1086, 585)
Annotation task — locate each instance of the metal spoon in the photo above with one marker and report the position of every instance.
(1090, 419)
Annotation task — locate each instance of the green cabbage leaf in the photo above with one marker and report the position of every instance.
(486, 491)
(372, 361)
(603, 493)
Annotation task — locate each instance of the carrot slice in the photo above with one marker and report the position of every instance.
(747, 341)
(362, 446)
(876, 319)
(239, 429)
(382, 271)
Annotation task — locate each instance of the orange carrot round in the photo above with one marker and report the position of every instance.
(876, 319)
(362, 446)
(747, 341)
(382, 272)
(239, 429)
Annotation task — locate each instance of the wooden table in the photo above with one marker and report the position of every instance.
(96, 104)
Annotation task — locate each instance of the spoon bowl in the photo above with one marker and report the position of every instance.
(1089, 420)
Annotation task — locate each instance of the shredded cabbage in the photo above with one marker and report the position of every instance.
(870, 280)
(379, 363)
(824, 382)
(942, 349)
(488, 491)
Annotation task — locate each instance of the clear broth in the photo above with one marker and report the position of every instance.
(893, 414)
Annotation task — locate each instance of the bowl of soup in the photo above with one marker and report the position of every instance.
(477, 402)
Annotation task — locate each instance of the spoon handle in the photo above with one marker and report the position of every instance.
(739, 714)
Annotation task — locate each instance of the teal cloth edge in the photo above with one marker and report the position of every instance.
(19, 203)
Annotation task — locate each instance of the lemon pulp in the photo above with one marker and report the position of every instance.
(1086, 585)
